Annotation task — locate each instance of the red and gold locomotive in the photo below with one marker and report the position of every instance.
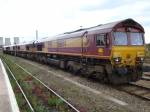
(111, 52)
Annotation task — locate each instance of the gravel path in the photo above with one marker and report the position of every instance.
(95, 98)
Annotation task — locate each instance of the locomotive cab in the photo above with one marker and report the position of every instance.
(128, 51)
(128, 48)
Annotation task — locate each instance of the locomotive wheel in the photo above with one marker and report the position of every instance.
(98, 75)
(74, 71)
(45, 61)
(70, 69)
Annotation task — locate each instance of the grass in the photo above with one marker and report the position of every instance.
(148, 50)
(23, 106)
(41, 99)
(55, 102)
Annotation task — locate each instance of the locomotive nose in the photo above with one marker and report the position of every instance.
(128, 60)
(128, 55)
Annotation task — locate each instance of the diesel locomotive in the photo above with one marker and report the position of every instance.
(112, 52)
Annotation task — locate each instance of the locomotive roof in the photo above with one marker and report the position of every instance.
(111, 26)
(102, 28)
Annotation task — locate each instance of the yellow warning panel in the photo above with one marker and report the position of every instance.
(100, 50)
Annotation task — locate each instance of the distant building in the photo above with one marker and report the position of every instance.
(7, 41)
(1, 43)
(16, 40)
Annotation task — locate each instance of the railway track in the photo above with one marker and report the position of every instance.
(147, 74)
(147, 60)
(136, 90)
(20, 88)
(139, 90)
(146, 78)
(133, 89)
(71, 107)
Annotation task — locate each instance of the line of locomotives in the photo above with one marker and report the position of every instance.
(111, 52)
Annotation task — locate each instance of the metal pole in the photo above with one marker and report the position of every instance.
(15, 49)
(36, 34)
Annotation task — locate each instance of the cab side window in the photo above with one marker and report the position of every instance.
(39, 47)
(7, 48)
(18, 47)
(27, 47)
(101, 40)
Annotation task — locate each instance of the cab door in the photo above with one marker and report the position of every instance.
(85, 44)
(101, 45)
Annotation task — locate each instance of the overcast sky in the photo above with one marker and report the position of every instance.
(22, 17)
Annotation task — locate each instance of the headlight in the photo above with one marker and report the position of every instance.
(140, 59)
(117, 60)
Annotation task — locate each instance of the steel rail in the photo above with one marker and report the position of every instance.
(145, 78)
(69, 104)
(23, 93)
(133, 92)
(142, 87)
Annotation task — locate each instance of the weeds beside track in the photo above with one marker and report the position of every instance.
(40, 96)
